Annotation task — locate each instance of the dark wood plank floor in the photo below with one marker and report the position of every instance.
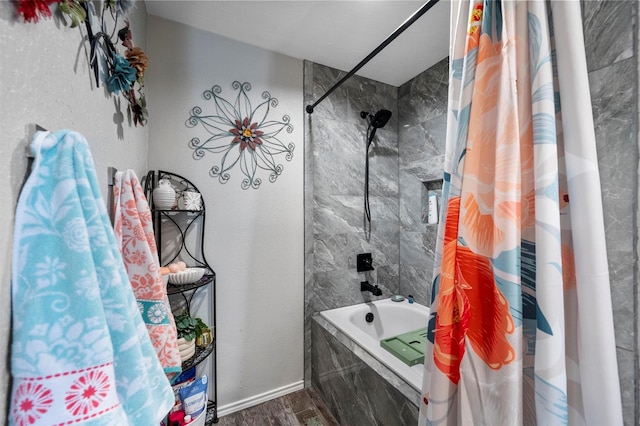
(301, 408)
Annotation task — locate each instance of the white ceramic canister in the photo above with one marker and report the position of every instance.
(190, 201)
(164, 196)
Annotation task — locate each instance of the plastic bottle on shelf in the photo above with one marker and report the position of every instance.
(176, 418)
(432, 215)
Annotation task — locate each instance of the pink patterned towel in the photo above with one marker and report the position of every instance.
(134, 233)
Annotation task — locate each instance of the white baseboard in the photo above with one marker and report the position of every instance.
(259, 399)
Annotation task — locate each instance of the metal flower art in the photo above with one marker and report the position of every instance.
(122, 74)
(241, 135)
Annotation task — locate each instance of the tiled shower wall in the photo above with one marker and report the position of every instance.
(338, 148)
(422, 105)
(335, 143)
(334, 149)
(612, 61)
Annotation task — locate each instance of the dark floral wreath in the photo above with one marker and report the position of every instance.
(124, 73)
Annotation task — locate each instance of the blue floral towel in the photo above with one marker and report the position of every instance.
(80, 353)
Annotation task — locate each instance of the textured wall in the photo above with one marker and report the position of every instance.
(45, 79)
(253, 238)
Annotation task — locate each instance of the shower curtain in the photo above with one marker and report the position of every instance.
(521, 328)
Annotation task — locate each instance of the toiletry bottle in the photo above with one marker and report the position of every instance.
(176, 418)
(432, 215)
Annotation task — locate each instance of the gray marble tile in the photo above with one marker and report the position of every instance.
(418, 143)
(338, 149)
(424, 96)
(308, 221)
(628, 384)
(416, 281)
(352, 349)
(336, 214)
(414, 201)
(383, 175)
(335, 105)
(338, 253)
(623, 307)
(371, 96)
(413, 250)
(337, 289)
(353, 391)
(345, 215)
(339, 158)
(388, 278)
(384, 219)
(410, 203)
(422, 135)
(355, 95)
(607, 31)
(307, 82)
(612, 102)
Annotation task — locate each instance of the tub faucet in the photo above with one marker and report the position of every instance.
(365, 286)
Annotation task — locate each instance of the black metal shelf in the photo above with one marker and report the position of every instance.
(212, 413)
(194, 212)
(178, 223)
(181, 288)
(200, 355)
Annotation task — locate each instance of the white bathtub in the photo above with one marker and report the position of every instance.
(390, 319)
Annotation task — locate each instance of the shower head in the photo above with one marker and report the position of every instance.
(379, 120)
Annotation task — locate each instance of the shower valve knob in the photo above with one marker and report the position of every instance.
(364, 262)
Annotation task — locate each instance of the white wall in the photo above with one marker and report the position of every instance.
(45, 79)
(254, 238)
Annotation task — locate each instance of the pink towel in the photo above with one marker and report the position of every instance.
(136, 240)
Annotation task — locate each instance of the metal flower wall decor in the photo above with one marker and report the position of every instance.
(241, 135)
(122, 73)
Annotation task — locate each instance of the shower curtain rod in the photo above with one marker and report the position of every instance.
(406, 24)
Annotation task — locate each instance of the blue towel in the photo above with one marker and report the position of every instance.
(81, 353)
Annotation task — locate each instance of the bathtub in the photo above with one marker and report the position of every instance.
(390, 319)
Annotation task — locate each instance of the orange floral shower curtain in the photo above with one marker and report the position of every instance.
(521, 328)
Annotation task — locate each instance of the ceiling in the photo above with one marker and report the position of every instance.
(338, 33)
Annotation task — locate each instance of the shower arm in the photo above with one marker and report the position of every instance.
(406, 24)
(370, 137)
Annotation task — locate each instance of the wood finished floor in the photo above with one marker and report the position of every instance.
(301, 408)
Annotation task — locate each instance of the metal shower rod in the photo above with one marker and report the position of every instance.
(406, 24)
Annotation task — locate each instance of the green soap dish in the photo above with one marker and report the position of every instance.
(407, 347)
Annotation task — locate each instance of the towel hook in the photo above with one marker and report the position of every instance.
(38, 128)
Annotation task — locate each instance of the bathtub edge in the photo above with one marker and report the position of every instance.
(387, 374)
